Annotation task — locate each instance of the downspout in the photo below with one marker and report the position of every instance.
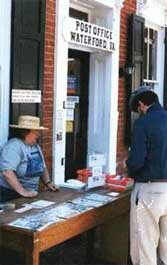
(5, 50)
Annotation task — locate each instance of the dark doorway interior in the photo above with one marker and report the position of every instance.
(77, 112)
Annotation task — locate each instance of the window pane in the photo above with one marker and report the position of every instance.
(150, 76)
(150, 54)
(154, 56)
(145, 61)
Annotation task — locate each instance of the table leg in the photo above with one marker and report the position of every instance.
(129, 261)
(90, 245)
(32, 258)
(32, 253)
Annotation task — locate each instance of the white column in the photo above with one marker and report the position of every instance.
(60, 92)
(103, 95)
(160, 64)
(5, 36)
(112, 69)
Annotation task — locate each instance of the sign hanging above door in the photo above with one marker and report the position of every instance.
(88, 34)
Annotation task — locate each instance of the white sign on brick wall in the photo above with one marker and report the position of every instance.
(26, 96)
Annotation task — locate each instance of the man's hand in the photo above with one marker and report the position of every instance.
(51, 186)
(124, 165)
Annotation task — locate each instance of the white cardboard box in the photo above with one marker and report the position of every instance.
(96, 181)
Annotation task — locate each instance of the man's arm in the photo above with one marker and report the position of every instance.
(138, 152)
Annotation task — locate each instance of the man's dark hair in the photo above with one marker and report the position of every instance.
(147, 97)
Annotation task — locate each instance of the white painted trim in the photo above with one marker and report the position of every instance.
(153, 11)
(60, 90)
(90, 4)
(114, 115)
(150, 81)
(159, 87)
(103, 98)
(149, 24)
(80, 48)
(5, 39)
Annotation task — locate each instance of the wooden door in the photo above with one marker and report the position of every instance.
(135, 58)
(27, 52)
(77, 115)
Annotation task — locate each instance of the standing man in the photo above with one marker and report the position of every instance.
(147, 164)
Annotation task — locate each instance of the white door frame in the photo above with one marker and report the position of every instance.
(103, 97)
(60, 87)
(5, 39)
(110, 98)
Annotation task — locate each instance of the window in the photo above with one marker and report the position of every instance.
(78, 14)
(150, 56)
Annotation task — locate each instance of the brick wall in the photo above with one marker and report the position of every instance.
(47, 102)
(129, 8)
(47, 99)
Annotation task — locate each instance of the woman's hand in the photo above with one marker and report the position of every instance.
(29, 194)
(47, 181)
(51, 186)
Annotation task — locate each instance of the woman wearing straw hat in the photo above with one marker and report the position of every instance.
(22, 163)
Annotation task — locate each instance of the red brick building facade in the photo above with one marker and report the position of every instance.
(48, 84)
(129, 8)
(107, 92)
(122, 149)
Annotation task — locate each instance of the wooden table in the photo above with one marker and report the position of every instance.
(32, 243)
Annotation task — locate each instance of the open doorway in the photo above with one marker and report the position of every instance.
(77, 112)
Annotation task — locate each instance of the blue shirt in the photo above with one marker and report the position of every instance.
(148, 156)
(25, 160)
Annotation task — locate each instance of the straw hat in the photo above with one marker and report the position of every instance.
(28, 122)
